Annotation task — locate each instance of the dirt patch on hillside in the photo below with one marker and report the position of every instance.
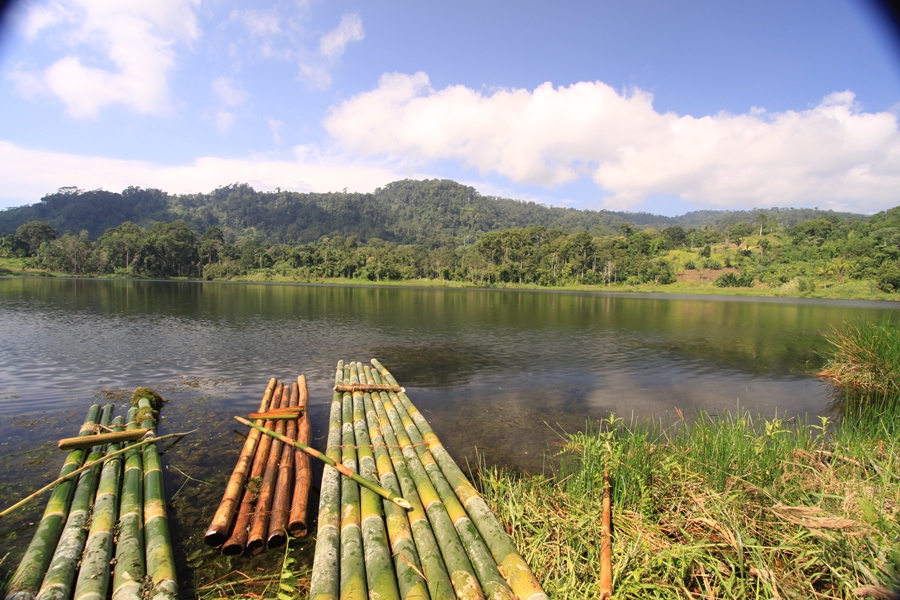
(703, 275)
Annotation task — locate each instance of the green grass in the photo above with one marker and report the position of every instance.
(864, 358)
(717, 507)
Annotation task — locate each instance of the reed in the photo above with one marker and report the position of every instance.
(26, 580)
(864, 358)
(694, 515)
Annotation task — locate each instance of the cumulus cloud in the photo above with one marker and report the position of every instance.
(832, 155)
(29, 174)
(118, 52)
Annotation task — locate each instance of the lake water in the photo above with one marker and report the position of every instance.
(498, 373)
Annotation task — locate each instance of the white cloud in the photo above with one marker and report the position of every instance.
(29, 174)
(832, 155)
(227, 92)
(333, 43)
(224, 120)
(316, 70)
(275, 127)
(118, 52)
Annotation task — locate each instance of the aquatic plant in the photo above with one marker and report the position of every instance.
(864, 358)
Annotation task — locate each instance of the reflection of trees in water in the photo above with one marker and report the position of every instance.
(433, 365)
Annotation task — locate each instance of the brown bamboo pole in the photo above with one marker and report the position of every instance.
(281, 501)
(238, 538)
(606, 542)
(297, 524)
(259, 523)
(114, 437)
(222, 521)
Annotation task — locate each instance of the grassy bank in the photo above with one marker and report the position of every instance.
(719, 507)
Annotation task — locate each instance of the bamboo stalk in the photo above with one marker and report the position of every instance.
(605, 541)
(101, 438)
(516, 571)
(407, 564)
(93, 576)
(158, 546)
(302, 473)
(57, 584)
(238, 539)
(279, 416)
(462, 573)
(259, 524)
(129, 571)
(222, 520)
(380, 577)
(353, 568)
(325, 578)
(27, 579)
(434, 570)
(278, 520)
(495, 587)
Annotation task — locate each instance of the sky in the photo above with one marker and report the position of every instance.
(639, 105)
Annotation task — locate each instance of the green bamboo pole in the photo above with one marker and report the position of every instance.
(27, 579)
(129, 571)
(380, 577)
(433, 567)
(462, 572)
(353, 568)
(408, 566)
(495, 587)
(158, 545)
(57, 584)
(517, 572)
(325, 578)
(93, 577)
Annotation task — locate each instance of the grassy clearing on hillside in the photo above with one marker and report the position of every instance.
(720, 507)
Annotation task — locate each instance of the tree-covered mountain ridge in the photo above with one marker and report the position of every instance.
(431, 213)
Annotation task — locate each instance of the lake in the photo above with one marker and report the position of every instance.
(500, 374)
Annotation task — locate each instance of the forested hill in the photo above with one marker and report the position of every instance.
(431, 212)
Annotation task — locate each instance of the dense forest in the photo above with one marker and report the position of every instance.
(439, 229)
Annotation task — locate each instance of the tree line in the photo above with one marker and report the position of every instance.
(826, 249)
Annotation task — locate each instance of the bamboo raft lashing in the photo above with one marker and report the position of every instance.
(447, 545)
(266, 496)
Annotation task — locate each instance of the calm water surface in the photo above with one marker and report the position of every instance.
(499, 373)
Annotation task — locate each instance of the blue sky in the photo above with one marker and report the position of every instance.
(645, 105)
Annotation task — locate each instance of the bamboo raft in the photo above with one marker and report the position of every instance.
(267, 494)
(448, 544)
(113, 513)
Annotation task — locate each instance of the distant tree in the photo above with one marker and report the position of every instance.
(34, 233)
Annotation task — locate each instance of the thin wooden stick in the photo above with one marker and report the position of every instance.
(87, 466)
(606, 542)
(337, 466)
